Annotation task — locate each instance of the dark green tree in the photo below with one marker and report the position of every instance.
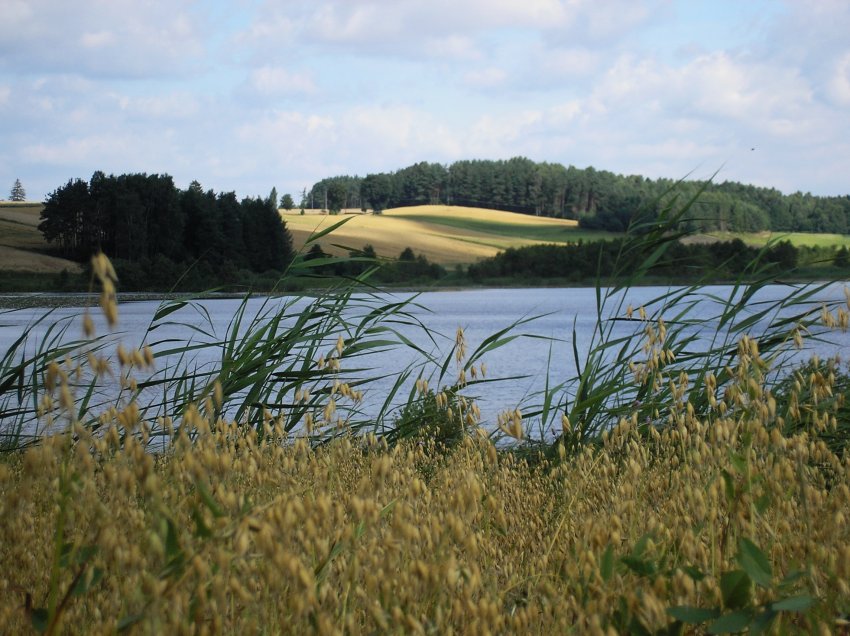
(376, 190)
(336, 196)
(62, 218)
(18, 193)
(286, 202)
(268, 242)
(842, 258)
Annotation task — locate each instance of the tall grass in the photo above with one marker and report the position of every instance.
(643, 362)
(692, 488)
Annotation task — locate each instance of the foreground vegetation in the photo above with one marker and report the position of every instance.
(687, 485)
(723, 523)
(731, 520)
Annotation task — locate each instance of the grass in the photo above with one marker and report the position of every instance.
(445, 235)
(689, 489)
(721, 523)
(799, 239)
(21, 244)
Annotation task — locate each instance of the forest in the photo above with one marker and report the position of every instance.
(598, 199)
(586, 260)
(152, 230)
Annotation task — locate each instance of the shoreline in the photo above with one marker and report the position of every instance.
(10, 301)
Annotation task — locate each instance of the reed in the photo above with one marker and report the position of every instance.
(719, 524)
(644, 361)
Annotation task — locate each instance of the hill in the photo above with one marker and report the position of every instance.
(444, 234)
(597, 199)
(21, 243)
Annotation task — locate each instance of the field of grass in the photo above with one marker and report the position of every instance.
(444, 234)
(20, 242)
(759, 239)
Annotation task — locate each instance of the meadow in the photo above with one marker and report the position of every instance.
(21, 243)
(760, 239)
(447, 235)
(685, 492)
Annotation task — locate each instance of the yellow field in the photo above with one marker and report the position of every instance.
(19, 238)
(444, 234)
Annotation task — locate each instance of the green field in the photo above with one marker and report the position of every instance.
(799, 239)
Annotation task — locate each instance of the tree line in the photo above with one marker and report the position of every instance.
(598, 199)
(682, 261)
(141, 218)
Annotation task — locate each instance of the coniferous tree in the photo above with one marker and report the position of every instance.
(18, 193)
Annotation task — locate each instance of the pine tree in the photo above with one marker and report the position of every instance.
(18, 193)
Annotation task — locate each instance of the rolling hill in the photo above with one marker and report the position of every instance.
(20, 242)
(447, 235)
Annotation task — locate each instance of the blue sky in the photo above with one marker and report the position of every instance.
(250, 94)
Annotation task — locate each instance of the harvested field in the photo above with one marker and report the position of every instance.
(444, 234)
(20, 240)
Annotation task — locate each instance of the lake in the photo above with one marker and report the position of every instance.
(545, 345)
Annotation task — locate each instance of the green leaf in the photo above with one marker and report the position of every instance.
(640, 546)
(692, 615)
(639, 566)
(208, 500)
(693, 572)
(730, 623)
(39, 619)
(799, 603)
(754, 562)
(84, 584)
(606, 564)
(762, 503)
(201, 528)
(170, 308)
(736, 587)
(729, 486)
(761, 623)
(85, 554)
(738, 462)
(172, 543)
(128, 621)
(65, 555)
(791, 578)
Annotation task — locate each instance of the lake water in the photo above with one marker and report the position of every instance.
(545, 345)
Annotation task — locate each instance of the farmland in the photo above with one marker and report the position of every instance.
(443, 234)
(20, 242)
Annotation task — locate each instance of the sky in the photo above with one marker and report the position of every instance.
(247, 95)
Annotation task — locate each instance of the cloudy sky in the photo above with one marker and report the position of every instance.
(248, 94)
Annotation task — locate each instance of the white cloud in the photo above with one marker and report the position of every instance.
(839, 85)
(121, 38)
(97, 40)
(272, 80)
(452, 46)
(565, 62)
(485, 78)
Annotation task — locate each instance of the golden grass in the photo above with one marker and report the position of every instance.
(227, 532)
(422, 229)
(233, 535)
(20, 238)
